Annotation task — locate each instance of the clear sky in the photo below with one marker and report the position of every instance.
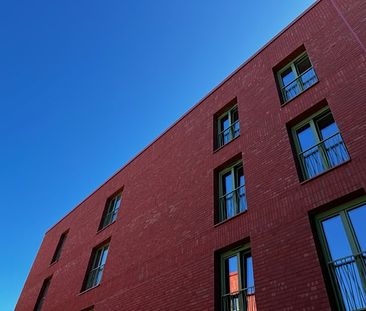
(85, 85)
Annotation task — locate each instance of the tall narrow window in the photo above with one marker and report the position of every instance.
(96, 267)
(232, 197)
(42, 294)
(111, 210)
(237, 281)
(228, 126)
(296, 76)
(343, 237)
(319, 144)
(60, 244)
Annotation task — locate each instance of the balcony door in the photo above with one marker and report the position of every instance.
(343, 235)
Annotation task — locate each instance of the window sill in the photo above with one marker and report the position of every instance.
(231, 218)
(219, 148)
(105, 227)
(325, 172)
(88, 290)
(302, 92)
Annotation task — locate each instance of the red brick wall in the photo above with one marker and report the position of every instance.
(163, 243)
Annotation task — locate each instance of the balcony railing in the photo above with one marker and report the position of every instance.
(350, 276)
(324, 155)
(243, 300)
(228, 134)
(301, 83)
(232, 203)
(95, 276)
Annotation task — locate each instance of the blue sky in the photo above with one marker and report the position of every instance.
(86, 85)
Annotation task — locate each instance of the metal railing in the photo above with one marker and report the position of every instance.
(350, 275)
(233, 203)
(95, 276)
(242, 300)
(324, 155)
(301, 83)
(228, 134)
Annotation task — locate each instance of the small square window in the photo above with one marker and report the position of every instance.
(228, 126)
(319, 144)
(232, 196)
(237, 281)
(111, 210)
(296, 77)
(96, 267)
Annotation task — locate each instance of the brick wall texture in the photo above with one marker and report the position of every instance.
(164, 241)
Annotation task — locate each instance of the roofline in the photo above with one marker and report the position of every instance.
(194, 107)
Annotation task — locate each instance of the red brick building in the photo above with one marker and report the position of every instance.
(253, 200)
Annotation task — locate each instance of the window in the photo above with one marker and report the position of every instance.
(232, 198)
(343, 238)
(296, 77)
(111, 211)
(228, 126)
(60, 244)
(42, 294)
(97, 262)
(319, 145)
(237, 281)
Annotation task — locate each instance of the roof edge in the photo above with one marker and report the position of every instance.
(193, 108)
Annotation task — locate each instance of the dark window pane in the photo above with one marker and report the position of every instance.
(327, 126)
(234, 115)
(224, 122)
(358, 219)
(59, 247)
(336, 238)
(302, 65)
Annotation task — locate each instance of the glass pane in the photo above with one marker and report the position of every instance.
(287, 76)
(239, 176)
(306, 137)
(327, 126)
(249, 272)
(234, 115)
(118, 202)
(302, 65)
(231, 275)
(227, 183)
(358, 220)
(97, 258)
(104, 256)
(224, 123)
(336, 237)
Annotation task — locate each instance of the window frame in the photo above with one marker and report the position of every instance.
(231, 129)
(341, 210)
(311, 121)
(239, 252)
(108, 213)
(42, 294)
(93, 267)
(294, 69)
(60, 245)
(233, 169)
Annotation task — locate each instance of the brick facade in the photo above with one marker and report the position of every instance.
(164, 243)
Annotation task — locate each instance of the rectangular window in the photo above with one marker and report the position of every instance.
(228, 126)
(343, 238)
(296, 77)
(319, 145)
(60, 244)
(237, 281)
(232, 196)
(111, 211)
(96, 267)
(42, 294)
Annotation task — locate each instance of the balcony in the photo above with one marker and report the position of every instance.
(300, 84)
(228, 134)
(232, 203)
(350, 275)
(323, 156)
(243, 300)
